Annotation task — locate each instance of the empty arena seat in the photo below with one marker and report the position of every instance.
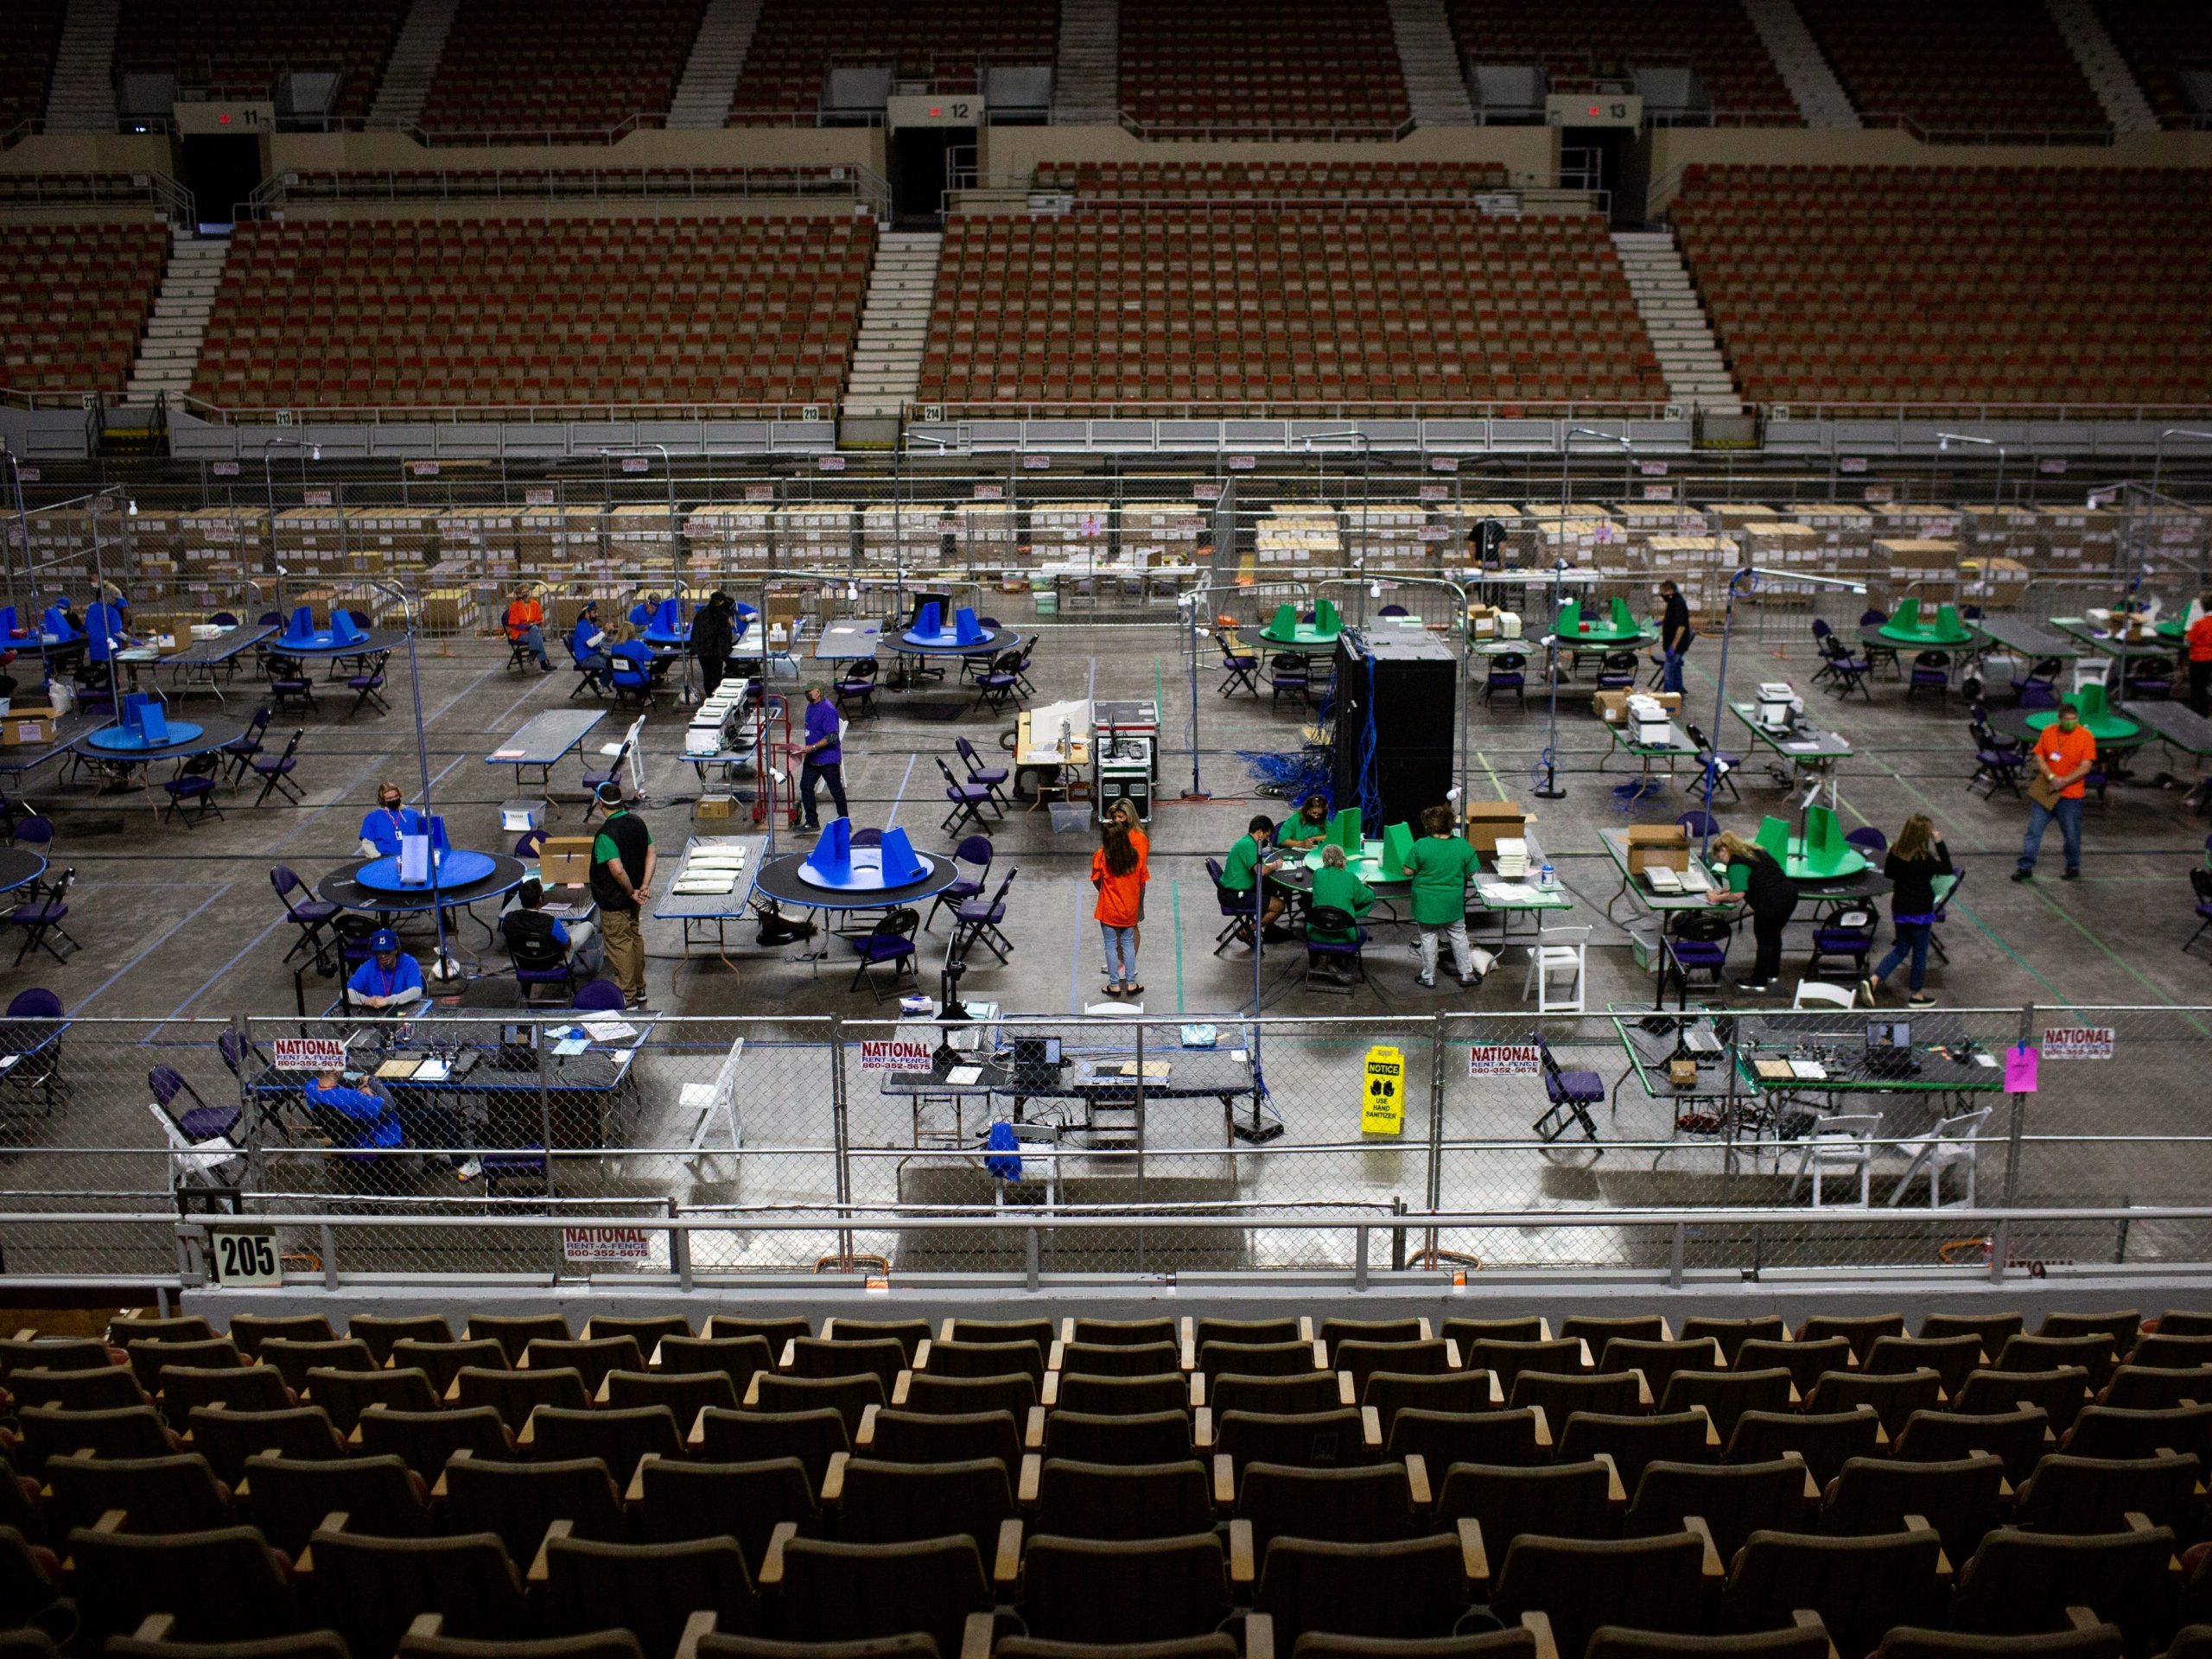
(238, 49)
(1861, 285)
(1962, 68)
(1267, 182)
(547, 66)
(73, 299)
(1348, 307)
(1578, 41)
(1192, 68)
(501, 313)
(796, 41)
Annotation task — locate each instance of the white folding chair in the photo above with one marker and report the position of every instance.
(215, 1162)
(1836, 1145)
(1954, 1141)
(1811, 993)
(1557, 951)
(2091, 671)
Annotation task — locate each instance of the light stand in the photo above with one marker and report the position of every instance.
(1742, 582)
(446, 969)
(1187, 603)
(1551, 789)
(1945, 440)
(2157, 466)
(22, 524)
(307, 451)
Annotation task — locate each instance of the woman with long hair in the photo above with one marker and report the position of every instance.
(1118, 870)
(1917, 857)
(1770, 896)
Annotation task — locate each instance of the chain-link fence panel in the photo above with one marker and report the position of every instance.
(105, 1116)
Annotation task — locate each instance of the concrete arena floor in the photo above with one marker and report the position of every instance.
(180, 921)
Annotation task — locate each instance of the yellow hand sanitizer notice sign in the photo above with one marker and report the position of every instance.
(1382, 1102)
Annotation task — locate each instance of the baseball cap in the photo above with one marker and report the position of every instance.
(384, 939)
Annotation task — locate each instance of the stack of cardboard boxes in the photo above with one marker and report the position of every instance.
(818, 535)
(725, 540)
(1298, 540)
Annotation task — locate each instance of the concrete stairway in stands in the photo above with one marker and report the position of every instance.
(170, 351)
(709, 83)
(2103, 66)
(894, 324)
(1087, 77)
(1429, 57)
(406, 84)
(1820, 96)
(82, 96)
(1675, 320)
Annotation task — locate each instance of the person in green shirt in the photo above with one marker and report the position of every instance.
(1308, 827)
(1252, 858)
(1335, 887)
(1440, 865)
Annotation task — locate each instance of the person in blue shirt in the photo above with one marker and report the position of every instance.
(588, 639)
(105, 632)
(823, 754)
(387, 822)
(374, 1125)
(389, 979)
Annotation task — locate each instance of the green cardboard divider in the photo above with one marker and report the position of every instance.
(2090, 700)
(1327, 619)
(1906, 618)
(1397, 842)
(1344, 831)
(1774, 835)
(1624, 619)
(1824, 847)
(1570, 618)
(1948, 624)
(1286, 622)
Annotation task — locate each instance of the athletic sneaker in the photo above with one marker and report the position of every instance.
(2024, 875)
(470, 1170)
(2069, 875)
(1427, 982)
(1756, 987)
(1921, 999)
(1868, 989)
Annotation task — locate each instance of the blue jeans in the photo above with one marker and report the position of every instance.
(2068, 814)
(1670, 675)
(1120, 953)
(533, 641)
(1912, 941)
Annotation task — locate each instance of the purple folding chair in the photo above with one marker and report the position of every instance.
(274, 771)
(242, 748)
(890, 940)
(975, 851)
(41, 915)
(993, 778)
(198, 1120)
(1572, 1094)
(978, 921)
(310, 914)
(599, 996)
(968, 802)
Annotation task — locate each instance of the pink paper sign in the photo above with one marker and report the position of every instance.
(2020, 1069)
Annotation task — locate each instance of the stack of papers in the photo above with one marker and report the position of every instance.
(1508, 893)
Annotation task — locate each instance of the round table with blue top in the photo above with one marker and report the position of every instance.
(465, 879)
(119, 751)
(907, 644)
(19, 867)
(322, 646)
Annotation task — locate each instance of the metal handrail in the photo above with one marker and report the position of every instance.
(580, 183)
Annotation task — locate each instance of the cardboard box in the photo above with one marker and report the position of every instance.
(34, 724)
(565, 861)
(1487, 820)
(714, 806)
(1657, 843)
(1613, 706)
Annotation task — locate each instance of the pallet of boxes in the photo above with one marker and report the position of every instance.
(218, 549)
(989, 545)
(726, 544)
(1298, 542)
(1389, 538)
(2002, 544)
(1918, 567)
(815, 537)
(901, 536)
(475, 571)
(1162, 537)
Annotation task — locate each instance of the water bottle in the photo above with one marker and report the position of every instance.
(1544, 877)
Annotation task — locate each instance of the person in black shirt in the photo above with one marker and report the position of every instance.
(711, 635)
(1917, 858)
(622, 861)
(1675, 637)
(1770, 896)
(526, 918)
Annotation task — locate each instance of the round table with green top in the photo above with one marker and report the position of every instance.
(1304, 636)
(2112, 731)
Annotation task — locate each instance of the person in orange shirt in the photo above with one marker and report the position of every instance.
(1118, 871)
(2200, 656)
(2065, 754)
(526, 627)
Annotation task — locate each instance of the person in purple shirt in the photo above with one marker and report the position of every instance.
(825, 760)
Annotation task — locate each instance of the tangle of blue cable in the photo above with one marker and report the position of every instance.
(1370, 796)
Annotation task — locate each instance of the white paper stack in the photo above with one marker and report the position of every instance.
(1512, 857)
